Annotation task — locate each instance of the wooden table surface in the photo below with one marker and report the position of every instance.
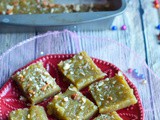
(140, 18)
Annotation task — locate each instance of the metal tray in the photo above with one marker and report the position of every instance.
(73, 21)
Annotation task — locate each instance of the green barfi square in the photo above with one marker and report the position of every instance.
(20, 114)
(109, 116)
(72, 105)
(36, 83)
(112, 94)
(80, 70)
(37, 113)
(33, 113)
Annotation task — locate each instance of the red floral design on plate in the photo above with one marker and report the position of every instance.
(10, 94)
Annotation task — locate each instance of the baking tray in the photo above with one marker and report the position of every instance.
(74, 21)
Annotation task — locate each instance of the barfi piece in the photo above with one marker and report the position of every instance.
(109, 116)
(71, 105)
(80, 70)
(112, 94)
(36, 83)
(33, 113)
(37, 113)
(20, 114)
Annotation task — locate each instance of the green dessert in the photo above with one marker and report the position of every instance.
(112, 94)
(20, 114)
(37, 113)
(36, 83)
(108, 116)
(71, 105)
(33, 113)
(80, 70)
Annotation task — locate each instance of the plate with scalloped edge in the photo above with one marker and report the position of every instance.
(10, 94)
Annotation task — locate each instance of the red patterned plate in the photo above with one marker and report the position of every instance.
(10, 94)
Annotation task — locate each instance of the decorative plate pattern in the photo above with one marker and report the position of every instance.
(10, 94)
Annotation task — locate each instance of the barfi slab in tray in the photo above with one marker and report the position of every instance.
(73, 20)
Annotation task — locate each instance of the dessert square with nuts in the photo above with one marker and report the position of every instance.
(37, 113)
(108, 116)
(80, 70)
(112, 94)
(71, 105)
(36, 83)
(33, 113)
(20, 114)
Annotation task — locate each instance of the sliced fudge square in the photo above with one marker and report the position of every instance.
(37, 113)
(71, 105)
(109, 116)
(80, 70)
(33, 113)
(20, 114)
(36, 83)
(112, 94)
